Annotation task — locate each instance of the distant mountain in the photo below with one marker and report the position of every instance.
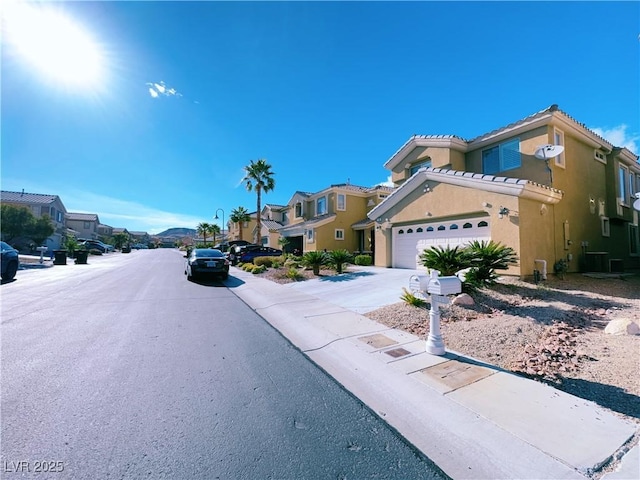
(178, 232)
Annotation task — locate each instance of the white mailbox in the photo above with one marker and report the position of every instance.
(444, 285)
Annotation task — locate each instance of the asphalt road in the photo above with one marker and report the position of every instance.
(124, 369)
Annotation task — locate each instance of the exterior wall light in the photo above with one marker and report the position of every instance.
(502, 212)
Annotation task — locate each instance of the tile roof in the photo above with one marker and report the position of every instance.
(24, 197)
(83, 217)
(362, 223)
(271, 224)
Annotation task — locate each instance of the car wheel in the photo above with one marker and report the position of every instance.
(10, 272)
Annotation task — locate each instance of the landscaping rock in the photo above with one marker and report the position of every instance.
(622, 326)
(463, 299)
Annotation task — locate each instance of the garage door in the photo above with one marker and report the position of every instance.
(410, 240)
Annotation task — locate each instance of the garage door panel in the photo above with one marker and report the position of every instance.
(410, 241)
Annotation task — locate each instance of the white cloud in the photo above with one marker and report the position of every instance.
(126, 214)
(619, 137)
(388, 183)
(159, 88)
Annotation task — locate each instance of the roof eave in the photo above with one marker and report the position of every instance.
(417, 141)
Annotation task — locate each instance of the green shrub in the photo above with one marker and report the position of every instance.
(315, 260)
(275, 265)
(363, 260)
(338, 258)
(446, 260)
(411, 299)
(485, 259)
(258, 269)
(294, 274)
(266, 261)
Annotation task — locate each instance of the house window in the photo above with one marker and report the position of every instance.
(467, 225)
(310, 235)
(606, 227)
(418, 166)
(600, 156)
(285, 217)
(623, 175)
(410, 230)
(558, 139)
(400, 232)
(483, 224)
(321, 206)
(505, 156)
(298, 210)
(453, 227)
(339, 234)
(341, 201)
(419, 230)
(59, 217)
(429, 229)
(87, 225)
(441, 228)
(245, 225)
(634, 240)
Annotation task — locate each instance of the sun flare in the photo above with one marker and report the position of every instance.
(54, 44)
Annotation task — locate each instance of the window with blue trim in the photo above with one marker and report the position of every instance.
(505, 156)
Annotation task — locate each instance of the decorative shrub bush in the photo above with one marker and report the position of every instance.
(315, 260)
(266, 261)
(446, 260)
(294, 274)
(258, 269)
(411, 299)
(363, 260)
(339, 258)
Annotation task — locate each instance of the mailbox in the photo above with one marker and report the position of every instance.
(444, 285)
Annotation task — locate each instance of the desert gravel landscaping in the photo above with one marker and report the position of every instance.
(552, 331)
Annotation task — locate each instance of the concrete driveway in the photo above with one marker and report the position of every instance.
(361, 289)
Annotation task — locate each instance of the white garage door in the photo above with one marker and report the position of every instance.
(409, 241)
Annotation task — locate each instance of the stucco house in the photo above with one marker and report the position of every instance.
(41, 204)
(576, 206)
(333, 218)
(242, 230)
(85, 224)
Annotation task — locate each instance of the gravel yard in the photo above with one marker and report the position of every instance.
(553, 331)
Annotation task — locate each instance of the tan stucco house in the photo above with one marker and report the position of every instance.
(576, 206)
(242, 230)
(86, 225)
(332, 219)
(41, 204)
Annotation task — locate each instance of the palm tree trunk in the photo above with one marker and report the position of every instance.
(258, 234)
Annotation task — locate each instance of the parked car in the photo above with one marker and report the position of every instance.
(225, 246)
(236, 250)
(206, 261)
(248, 254)
(97, 245)
(10, 261)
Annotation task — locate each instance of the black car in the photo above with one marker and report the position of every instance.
(206, 261)
(236, 250)
(10, 261)
(226, 246)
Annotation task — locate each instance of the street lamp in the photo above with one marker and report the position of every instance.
(216, 218)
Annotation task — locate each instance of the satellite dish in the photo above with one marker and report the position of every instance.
(636, 204)
(545, 152)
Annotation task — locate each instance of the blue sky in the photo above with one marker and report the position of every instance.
(326, 92)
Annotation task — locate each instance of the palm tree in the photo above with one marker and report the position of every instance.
(203, 229)
(239, 215)
(259, 177)
(214, 230)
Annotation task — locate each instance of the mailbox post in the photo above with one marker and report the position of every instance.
(42, 249)
(438, 289)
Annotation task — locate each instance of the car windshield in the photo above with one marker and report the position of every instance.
(208, 252)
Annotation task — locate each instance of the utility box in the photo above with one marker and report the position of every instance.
(444, 285)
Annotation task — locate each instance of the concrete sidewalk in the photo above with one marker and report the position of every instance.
(472, 419)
